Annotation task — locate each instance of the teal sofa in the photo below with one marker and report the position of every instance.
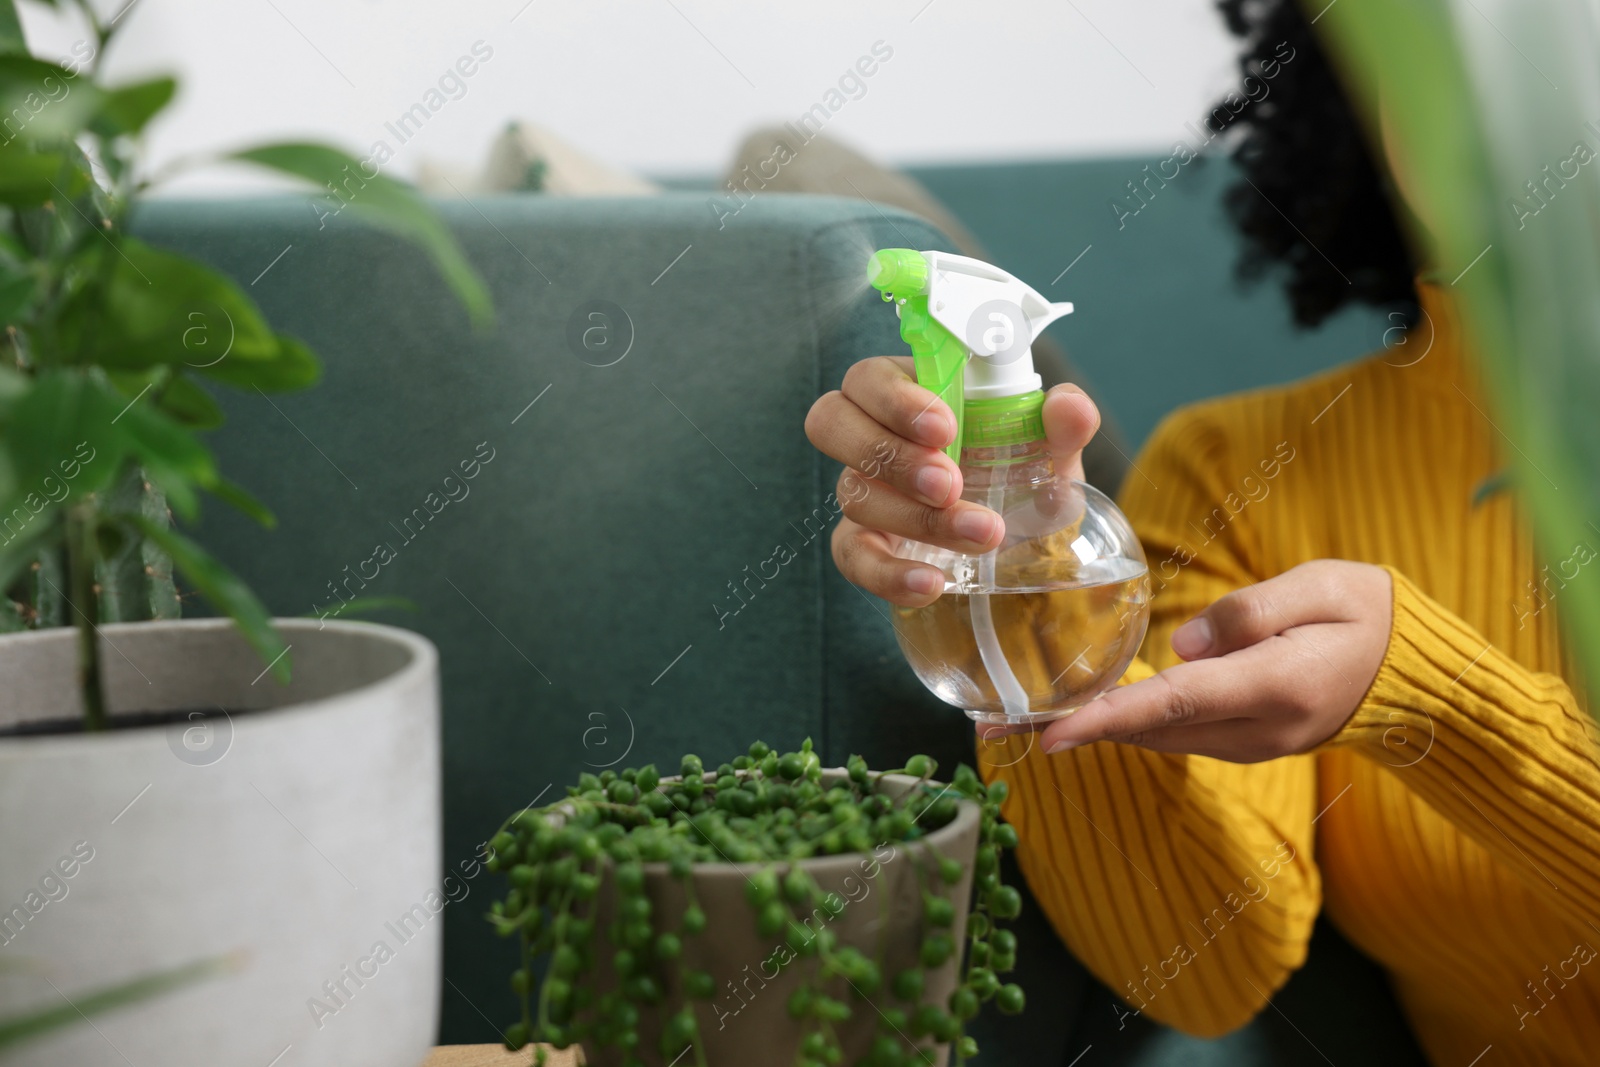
(602, 590)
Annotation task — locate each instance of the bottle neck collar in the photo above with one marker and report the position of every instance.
(1003, 422)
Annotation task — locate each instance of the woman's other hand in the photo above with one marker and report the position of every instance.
(1273, 669)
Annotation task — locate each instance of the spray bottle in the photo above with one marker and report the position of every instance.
(1051, 618)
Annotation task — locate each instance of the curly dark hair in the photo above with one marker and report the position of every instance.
(1312, 199)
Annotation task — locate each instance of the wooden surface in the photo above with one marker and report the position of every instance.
(494, 1056)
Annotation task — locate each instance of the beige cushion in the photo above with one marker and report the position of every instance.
(527, 157)
(824, 165)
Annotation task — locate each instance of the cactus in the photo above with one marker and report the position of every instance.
(133, 575)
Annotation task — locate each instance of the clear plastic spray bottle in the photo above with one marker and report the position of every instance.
(1050, 619)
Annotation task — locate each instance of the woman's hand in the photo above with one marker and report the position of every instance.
(888, 432)
(1272, 669)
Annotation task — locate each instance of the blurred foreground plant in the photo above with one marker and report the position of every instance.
(1496, 108)
(16, 1030)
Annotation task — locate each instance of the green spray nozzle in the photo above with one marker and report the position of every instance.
(970, 326)
(940, 356)
(898, 269)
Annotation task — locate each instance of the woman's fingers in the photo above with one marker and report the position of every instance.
(866, 557)
(1270, 670)
(1070, 422)
(962, 527)
(1181, 696)
(1283, 685)
(1310, 593)
(838, 427)
(884, 388)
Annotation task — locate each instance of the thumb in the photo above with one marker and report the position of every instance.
(1248, 616)
(1070, 422)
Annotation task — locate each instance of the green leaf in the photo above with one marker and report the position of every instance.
(29, 178)
(20, 541)
(13, 385)
(71, 432)
(65, 430)
(223, 589)
(291, 367)
(17, 292)
(12, 41)
(161, 308)
(172, 456)
(233, 494)
(81, 174)
(190, 404)
(383, 202)
(85, 1005)
(44, 102)
(128, 109)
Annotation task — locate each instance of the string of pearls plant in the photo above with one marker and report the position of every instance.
(763, 807)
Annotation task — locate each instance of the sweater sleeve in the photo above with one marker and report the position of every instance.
(1506, 754)
(1186, 884)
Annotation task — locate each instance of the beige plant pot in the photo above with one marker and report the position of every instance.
(878, 910)
(292, 836)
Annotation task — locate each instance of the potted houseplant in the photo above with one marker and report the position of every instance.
(250, 852)
(770, 912)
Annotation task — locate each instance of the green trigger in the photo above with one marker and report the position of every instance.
(941, 361)
(941, 358)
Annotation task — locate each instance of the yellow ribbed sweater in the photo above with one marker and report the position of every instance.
(1451, 828)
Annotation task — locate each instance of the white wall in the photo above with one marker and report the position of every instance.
(668, 86)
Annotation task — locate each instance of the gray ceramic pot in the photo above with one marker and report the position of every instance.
(293, 837)
(878, 909)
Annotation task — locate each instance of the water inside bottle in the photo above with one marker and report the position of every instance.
(1065, 643)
